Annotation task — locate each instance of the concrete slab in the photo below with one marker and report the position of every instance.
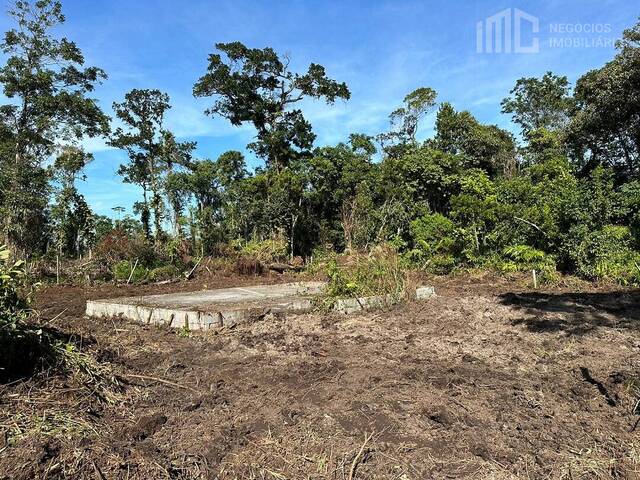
(423, 293)
(228, 306)
(209, 308)
(352, 305)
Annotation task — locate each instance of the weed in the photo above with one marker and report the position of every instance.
(184, 332)
(379, 272)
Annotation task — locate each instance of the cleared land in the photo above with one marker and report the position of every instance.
(486, 380)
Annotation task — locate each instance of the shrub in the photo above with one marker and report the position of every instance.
(608, 254)
(122, 271)
(13, 306)
(117, 246)
(524, 257)
(178, 251)
(378, 273)
(434, 242)
(271, 250)
(21, 348)
(166, 272)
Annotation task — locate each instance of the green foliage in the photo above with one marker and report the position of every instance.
(142, 113)
(184, 332)
(13, 305)
(608, 254)
(256, 86)
(378, 273)
(476, 210)
(49, 107)
(270, 250)
(122, 271)
(523, 258)
(540, 103)
(468, 196)
(166, 272)
(480, 146)
(434, 243)
(604, 128)
(404, 120)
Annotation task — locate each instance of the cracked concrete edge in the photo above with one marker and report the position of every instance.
(198, 320)
(191, 319)
(352, 305)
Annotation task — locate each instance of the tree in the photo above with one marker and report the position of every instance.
(481, 146)
(543, 103)
(47, 84)
(175, 155)
(405, 119)
(210, 184)
(335, 174)
(142, 113)
(73, 221)
(256, 86)
(606, 127)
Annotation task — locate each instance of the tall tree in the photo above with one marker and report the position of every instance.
(606, 128)
(256, 86)
(481, 146)
(142, 113)
(405, 120)
(175, 156)
(73, 221)
(47, 84)
(540, 103)
(210, 183)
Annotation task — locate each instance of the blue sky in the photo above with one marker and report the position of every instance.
(382, 49)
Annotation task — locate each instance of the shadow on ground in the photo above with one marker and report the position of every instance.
(576, 313)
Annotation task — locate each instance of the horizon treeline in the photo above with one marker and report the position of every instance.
(565, 194)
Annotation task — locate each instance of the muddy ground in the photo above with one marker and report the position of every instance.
(487, 380)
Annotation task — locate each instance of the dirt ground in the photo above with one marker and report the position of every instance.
(488, 380)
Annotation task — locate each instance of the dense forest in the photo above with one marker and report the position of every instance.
(562, 195)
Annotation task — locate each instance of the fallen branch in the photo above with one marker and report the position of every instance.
(357, 458)
(132, 271)
(55, 318)
(283, 267)
(188, 275)
(161, 380)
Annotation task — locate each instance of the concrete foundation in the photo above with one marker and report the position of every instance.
(228, 306)
(352, 305)
(210, 308)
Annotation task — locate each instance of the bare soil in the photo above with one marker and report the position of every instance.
(487, 380)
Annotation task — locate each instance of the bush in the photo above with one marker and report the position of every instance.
(13, 306)
(20, 347)
(271, 250)
(434, 242)
(524, 257)
(166, 272)
(378, 273)
(608, 254)
(122, 271)
(117, 246)
(178, 251)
